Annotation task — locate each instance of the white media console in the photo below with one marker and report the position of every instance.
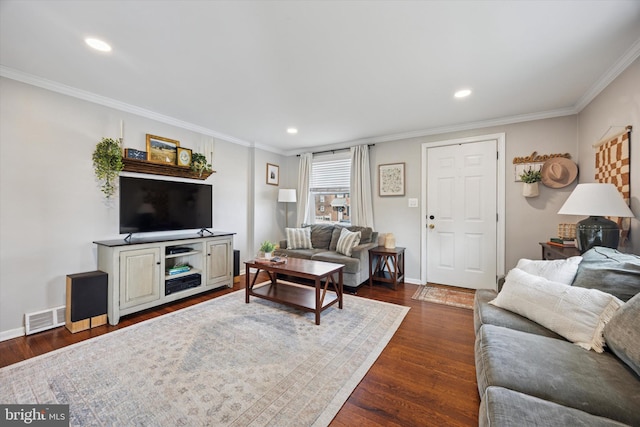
(139, 275)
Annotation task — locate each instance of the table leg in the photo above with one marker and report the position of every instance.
(340, 289)
(317, 309)
(246, 283)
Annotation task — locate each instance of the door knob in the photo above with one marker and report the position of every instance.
(432, 226)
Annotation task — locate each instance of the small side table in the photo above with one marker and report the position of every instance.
(551, 252)
(388, 267)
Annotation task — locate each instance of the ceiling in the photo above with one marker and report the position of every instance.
(339, 71)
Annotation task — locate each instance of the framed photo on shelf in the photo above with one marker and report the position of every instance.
(162, 150)
(391, 179)
(273, 174)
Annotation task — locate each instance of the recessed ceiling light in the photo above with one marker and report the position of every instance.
(292, 131)
(462, 93)
(98, 44)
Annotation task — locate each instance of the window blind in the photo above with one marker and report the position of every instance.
(330, 175)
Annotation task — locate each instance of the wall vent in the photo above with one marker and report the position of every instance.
(39, 321)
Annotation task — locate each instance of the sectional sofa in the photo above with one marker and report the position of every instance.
(531, 375)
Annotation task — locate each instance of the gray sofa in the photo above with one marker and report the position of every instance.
(324, 238)
(530, 376)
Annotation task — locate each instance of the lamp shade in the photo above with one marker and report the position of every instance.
(596, 199)
(287, 195)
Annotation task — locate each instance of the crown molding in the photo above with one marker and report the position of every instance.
(612, 73)
(112, 103)
(445, 129)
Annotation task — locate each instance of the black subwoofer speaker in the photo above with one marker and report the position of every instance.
(86, 300)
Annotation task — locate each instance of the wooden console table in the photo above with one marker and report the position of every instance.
(389, 265)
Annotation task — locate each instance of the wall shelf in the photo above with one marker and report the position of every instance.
(142, 166)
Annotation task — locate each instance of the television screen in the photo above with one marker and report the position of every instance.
(155, 205)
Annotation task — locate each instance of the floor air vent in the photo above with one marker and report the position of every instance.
(39, 321)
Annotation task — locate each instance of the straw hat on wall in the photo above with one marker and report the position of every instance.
(558, 172)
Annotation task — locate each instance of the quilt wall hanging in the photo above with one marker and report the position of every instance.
(613, 166)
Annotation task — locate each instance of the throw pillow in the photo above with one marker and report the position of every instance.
(298, 238)
(558, 270)
(623, 334)
(347, 241)
(577, 314)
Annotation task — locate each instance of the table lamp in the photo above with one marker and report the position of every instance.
(596, 200)
(287, 195)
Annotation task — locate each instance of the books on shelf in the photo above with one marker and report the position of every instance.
(563, 243)
(178, 269)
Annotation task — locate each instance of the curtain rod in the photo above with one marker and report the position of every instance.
(336, 150)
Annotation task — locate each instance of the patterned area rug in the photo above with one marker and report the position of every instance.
(444, 296)
(219, 363)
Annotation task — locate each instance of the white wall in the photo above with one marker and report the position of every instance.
(51, 207)
(618, 105)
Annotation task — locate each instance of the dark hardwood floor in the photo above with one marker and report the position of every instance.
(424, 377)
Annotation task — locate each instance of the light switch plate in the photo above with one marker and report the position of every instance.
(413, 203)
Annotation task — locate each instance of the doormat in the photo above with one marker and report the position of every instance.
(444, 296)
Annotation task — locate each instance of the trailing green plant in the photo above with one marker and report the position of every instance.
(199, 163)
(530, 176)
(107, 164)
(267, 247)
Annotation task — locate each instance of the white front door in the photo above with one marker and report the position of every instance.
(461, 214)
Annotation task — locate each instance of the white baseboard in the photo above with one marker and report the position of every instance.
(11, 334)
(412, 281)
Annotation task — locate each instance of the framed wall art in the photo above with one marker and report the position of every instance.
(273, 174)
(162, 150)
(391, 179)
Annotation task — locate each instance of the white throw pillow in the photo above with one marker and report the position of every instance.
(557, 270)
(298, 238)
(347, 241)
(578, 314)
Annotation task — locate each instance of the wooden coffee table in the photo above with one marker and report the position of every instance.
(315, 298)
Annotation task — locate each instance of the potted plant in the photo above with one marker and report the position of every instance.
(199, 163)
(267, 248)
(107, 164)
(530, 179)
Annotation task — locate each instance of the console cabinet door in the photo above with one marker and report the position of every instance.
(139, 276)
(218, 261)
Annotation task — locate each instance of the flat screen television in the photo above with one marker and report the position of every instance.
(148, 205)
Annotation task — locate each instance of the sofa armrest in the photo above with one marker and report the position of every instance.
(362, 251)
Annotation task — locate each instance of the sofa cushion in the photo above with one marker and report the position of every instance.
(557, 270)
(351, 265)
(485, 313)
(321, 235)
(610, 271)
(557, 371)
(347, 241)
(622, 333)
(299, 253)
(366, 235)
(578, 314)
(503, 407)
(298, 238)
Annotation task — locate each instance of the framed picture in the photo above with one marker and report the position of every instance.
(184, 157)
(162, 150)
(391, 179)
(273, 174)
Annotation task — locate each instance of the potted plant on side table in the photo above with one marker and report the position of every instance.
(530, 179)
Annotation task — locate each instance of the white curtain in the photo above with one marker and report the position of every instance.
(361, 201)
(304, 179)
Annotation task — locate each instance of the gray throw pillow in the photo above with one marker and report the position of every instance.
(321, 235)
(622, 333)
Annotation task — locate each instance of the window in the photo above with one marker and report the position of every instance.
(330, 187)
